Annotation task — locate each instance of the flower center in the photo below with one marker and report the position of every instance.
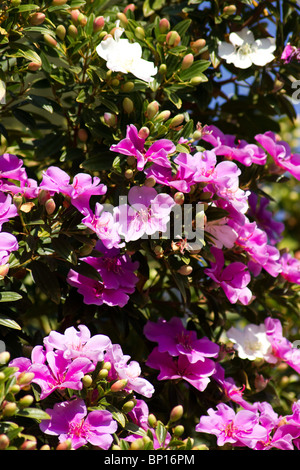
(230, 429)
(245, 50)
(79, 429)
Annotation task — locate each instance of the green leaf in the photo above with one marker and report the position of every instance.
(33, 413)
(8, 322)
(9, 296)
(195, 70)
(160, 432)
(46, 280)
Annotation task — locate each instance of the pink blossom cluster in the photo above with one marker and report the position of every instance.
(180, 355)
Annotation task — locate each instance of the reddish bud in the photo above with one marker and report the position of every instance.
(187, 61)
(72, 31)
(82, 135)
(4, 441)
(4, 268)
(74, 15)
(98, 24)
(119, 385)
(164, 25)
(144, 132)
(34, 66)
(196, 46)
(58, 3)
(130, 7)
(173, 38)
(152, 109)
(50, 206)
(185, 270)
(50, 40)
(37, 18)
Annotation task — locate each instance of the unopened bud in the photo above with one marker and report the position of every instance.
(196, 81)
(128, 105)
(4, 441)
(177, 121)
(152, 421)
(25, 401)
(138, 444)
(187, 61)
(173, 38)
(128, 406)
(45, 447)
(179, 198)
(2, 376)
(119, 385)
(4, 268)
(98, 24)
(196, 46)
(163, 116)
(128, 174)
(131, 160)
(144, 132)
(185, 270)
(127, 87)
(74, 15)
(130, 7)
(139, 32)
(87, 381)
(50, 40)
(37, 18)
(229, 10)
(110, 119)
(150, 182)
(102, 374)
(58, 3)
(115, 82)
(24, 378)
(115, 447)
(106, 365)
(200, 447)
(162, 69)
(152, 109)
(65, 445)
(18, 200)
(50, 206)
(34, 66)
(9, 409)
(82, 19)
(15, 389)
(4, 357)
(72, 31)
(178, 431)
(61, 32)
(164, 25)
(176, 413)
(123, 19)
(82, 135)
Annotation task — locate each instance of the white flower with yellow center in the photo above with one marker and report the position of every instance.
(123, 56)
(243, 50)
(251, 342)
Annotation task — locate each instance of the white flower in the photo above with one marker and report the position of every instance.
(123, 56)
(243, 50)
(252, 342)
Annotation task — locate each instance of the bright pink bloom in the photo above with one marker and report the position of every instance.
(133, 145)
(282, 348)
(233, 278)
(70, 420)
(290, 53)
(104, 225)
(11, 167)
(7, 209)
(173, 338)
(239, 429)
(8, 244)
(258, 210)
(290, 268)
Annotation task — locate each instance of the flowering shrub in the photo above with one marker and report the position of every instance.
(149, 225)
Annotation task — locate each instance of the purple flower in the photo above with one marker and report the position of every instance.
(240, 429)
(173, 368)
(58, 373)
(147, 214)
(133, 145)
(11, 167)
(173, 338)
(76, 343)
(233, 278)
(290, 53)
(131, 371)
(8, 243)
(280, 151)
(104, 225)
(96, 293)
(282, 348)
(70, 420)
(28, 188)
(290, 268)
(258, 210)
(7, 209)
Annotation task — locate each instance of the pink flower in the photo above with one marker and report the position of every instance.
(133, 145)
(11, 167)
(173, 368)
(290, 53)
(173, 338)
(290, 268)
(7, 209)
(70, 420)
(233, 278)
(239, 429)
(104, 225)
(258, 209)
(8, 244)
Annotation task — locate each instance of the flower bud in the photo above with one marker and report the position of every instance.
(179, 198)
(185, 270)
(152, 109)
(50, 40)
(196, 81)
(72, 31)
(4, 268)
(106, 365)
(123, 19)
(102, 374)
(144, 132)
(25, 401)
(229, 10)
(45, 447)
(200, 447)
(24, 378)
(152, 421)
(34, 66)
(176, 413)
(50, 206)
(115, 82)
(87, 381)
(82, 19)
(9, 409)
(74, 15)
(119, 385)
(164, 25)
(15, 389)
(128, 174)
(130, 7)
(37, 18)
(138, 444)
(4, 357)
(128, 406)
(196, 46)
(110, 119)
(150, 182)
(82, 135)
(4, 441)
(128, 105)
(187, 61)
(2, 376)
(65, 445)
(61, 32)
(15, 3)
(127, 87)
(163, 116)
(162, 69)
(98, 24)
(58, 3)
(115, 447)
(176, 121)
(173, 39)
(139, 32)
(178, 431)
